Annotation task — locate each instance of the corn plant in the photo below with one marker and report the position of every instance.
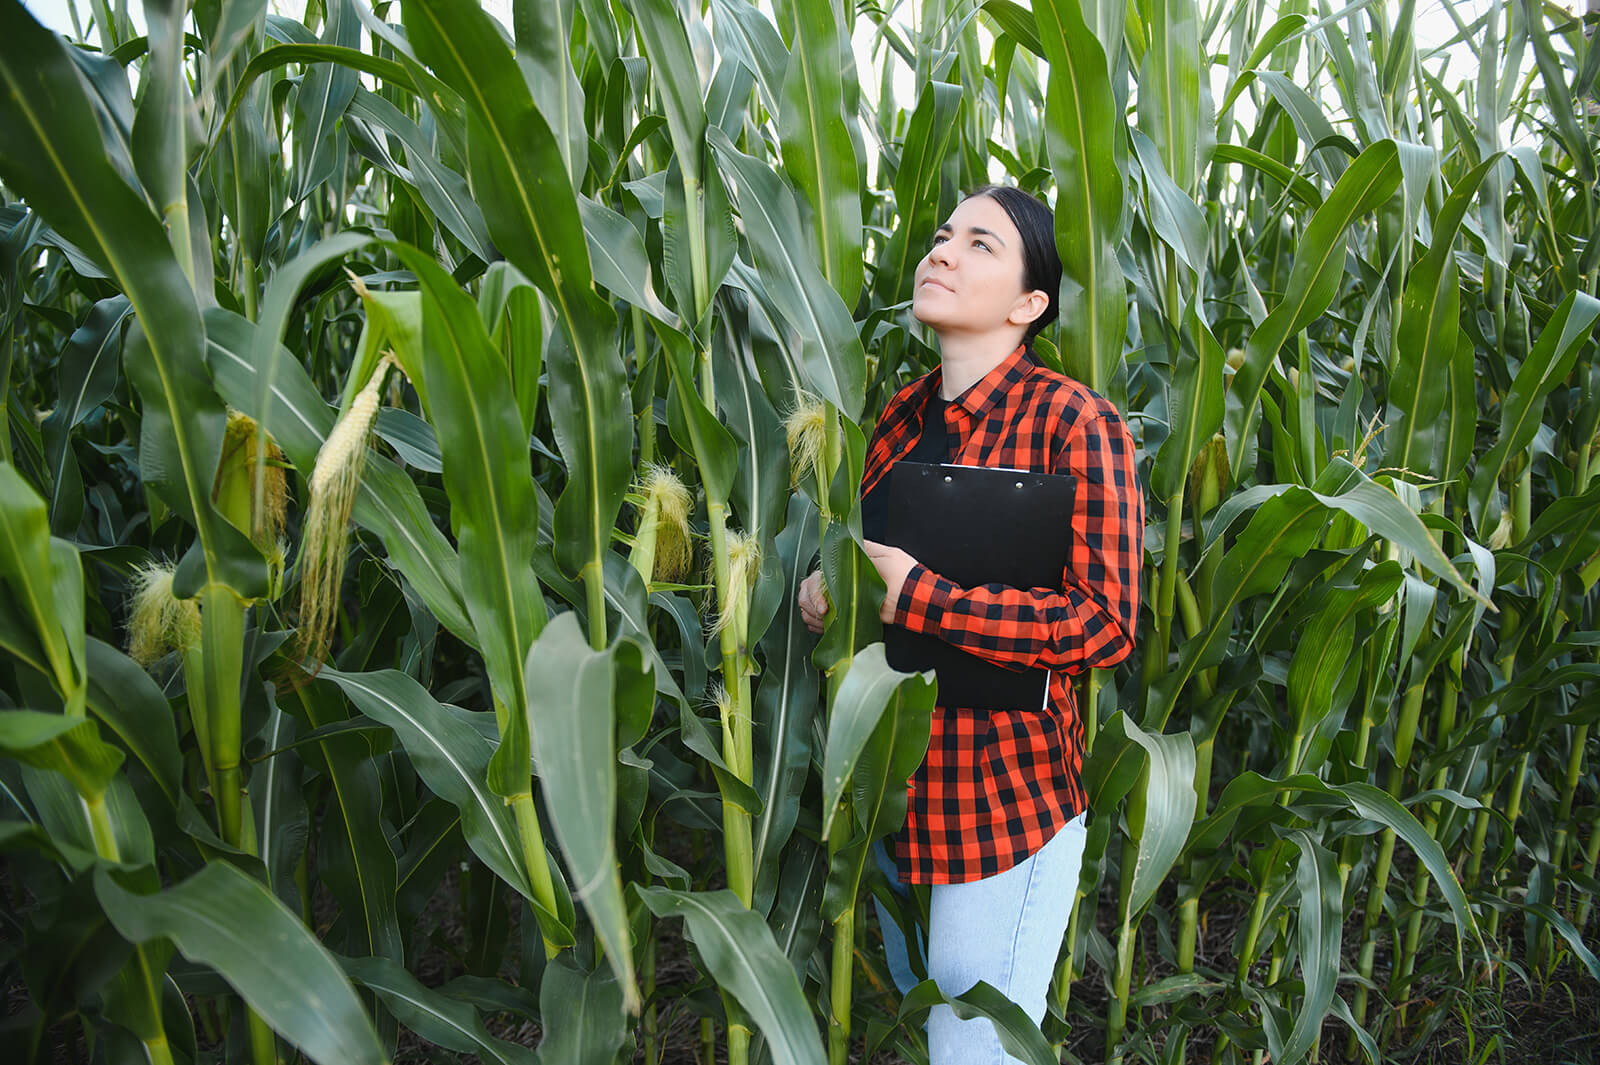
(419, 421)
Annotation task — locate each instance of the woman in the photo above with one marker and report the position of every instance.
(995, 813)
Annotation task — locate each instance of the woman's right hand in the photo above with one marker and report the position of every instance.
(813, 600)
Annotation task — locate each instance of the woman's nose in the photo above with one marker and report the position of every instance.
(940, 254)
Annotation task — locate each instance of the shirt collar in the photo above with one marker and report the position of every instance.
(993, 385)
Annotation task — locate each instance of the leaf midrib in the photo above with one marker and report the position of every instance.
(197, 500)
(445, 753)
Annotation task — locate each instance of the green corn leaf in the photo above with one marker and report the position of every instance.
(1170, 90)
(916, 188)
(594, 431)
(1286, 27)
(818, 153)
(496, 511)
(1016, 22)
(880, 768)
(438, 1018)
(1282, 529)
(854, 592)
(1168, 805)
(1379, 509)
(160, 123)
(627, 595)
(762, 489)
(743, 32)
(1428, 337)
(451, 757)
(729, 98)
(28, 566)
(1081, 125)
(1322, 652)
(277, 55)
(52, 153)
(1174, 217)
(1549, 363)
(19, 639)
(265, 351)
(1018, 1035)
(510, 308)
(582, 1013)
(220, 918)
(358, 864)
(442, 189)
(282, 817)
(1248, 789)
(542, 32)
(1368, 1045)
(67, 745)
(785, 703)
(1563, 108)
(1302, 190)
(65, 815)
(1378, 805)
(519, 179)
(394, 323)
(528, 202)
(665, 41)
(1570, 933)
(125, 700)
(737, 947)
(832, 359)
(325, 91)
(617, 253)
(871, 689)
(1320, 918)
(694, 231)
(1313, 280)
(574, 697)
(796, 913)
(1311, 122)
(24, 836)
(1194, 405)
(237, 22)
(696, 426)
(86, 378)
(1569, 531)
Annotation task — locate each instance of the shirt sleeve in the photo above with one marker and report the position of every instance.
(1091, 619)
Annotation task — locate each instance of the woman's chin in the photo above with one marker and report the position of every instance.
(930, 312)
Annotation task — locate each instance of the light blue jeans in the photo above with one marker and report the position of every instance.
(1005, 930)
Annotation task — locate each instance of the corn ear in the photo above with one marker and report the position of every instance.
(325, 543)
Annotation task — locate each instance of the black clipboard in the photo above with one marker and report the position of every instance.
(978, 525)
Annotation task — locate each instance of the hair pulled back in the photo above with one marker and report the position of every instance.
(1041, 265)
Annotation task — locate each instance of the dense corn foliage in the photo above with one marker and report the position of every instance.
(397, 400)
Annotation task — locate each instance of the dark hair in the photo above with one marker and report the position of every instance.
(1041, 265)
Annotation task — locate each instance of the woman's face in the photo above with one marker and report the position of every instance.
(970, 281)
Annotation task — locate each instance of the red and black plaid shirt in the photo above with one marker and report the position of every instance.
(997, 784)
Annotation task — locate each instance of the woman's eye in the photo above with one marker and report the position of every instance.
(981, 244)
(939, 238)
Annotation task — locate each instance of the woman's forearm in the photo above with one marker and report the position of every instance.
(1070, 630)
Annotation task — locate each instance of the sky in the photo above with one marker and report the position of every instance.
(1434, 27)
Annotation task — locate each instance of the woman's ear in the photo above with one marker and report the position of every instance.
(1029, 305)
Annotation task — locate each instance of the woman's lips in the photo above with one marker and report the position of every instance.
(938, 284)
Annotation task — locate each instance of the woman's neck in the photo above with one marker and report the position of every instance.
(966, 360)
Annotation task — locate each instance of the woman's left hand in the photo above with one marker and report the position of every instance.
(893, 564)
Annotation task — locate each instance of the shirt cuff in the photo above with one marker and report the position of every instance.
(924, 597)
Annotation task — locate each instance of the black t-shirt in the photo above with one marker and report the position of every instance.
(932, 446)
